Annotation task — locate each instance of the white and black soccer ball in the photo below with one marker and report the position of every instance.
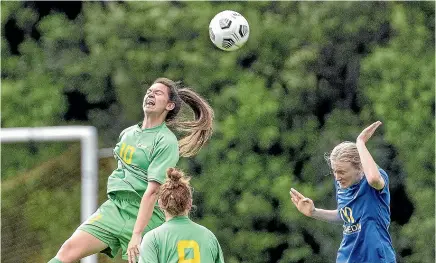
(229, 30)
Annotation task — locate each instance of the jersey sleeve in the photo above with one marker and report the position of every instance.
(220, 256)
(165, 155)
(385, 177)
(216, 250)
(148, 252)
(122, 133)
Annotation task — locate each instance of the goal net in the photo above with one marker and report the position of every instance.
(38, 207)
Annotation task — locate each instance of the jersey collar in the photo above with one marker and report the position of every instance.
(155, 128)
(179, 218)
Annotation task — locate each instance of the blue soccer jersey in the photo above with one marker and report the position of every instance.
(366, 216)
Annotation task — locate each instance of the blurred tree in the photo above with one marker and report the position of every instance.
(311, 75)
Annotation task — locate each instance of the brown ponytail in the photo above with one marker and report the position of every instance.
(198, 130)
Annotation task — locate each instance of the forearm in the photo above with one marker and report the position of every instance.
(145, 212)
(330, 216)
(369, 166)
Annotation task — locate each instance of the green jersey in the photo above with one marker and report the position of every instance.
(143, 155)
(180, 240)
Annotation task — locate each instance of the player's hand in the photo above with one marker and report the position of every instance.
(368, 132)
(304, 205)
(133, 248)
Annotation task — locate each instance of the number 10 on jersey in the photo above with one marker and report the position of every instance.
(126, 152)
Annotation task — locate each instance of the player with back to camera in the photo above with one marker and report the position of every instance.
(144, 152)
(363, 199)
(179, 239)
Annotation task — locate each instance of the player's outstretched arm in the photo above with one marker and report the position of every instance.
(306, 207)
(369, 166)
(145, 212)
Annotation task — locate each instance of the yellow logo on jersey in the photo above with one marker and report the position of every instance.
(94, 218)
(347, 215)
(188, 244)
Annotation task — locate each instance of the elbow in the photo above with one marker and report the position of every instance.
(152, 191)
(151, 194)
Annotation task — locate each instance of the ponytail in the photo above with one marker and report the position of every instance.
(198, 131)
(176, 194)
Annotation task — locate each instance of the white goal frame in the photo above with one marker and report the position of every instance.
(89, 159)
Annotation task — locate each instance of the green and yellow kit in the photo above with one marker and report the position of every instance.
(179, 240)
(143, 155)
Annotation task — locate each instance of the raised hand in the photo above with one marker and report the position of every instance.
(368, 132)
(304, 205)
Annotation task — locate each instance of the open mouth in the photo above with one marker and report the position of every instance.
(149, 102)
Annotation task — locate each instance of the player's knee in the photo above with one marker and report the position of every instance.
(68, 252)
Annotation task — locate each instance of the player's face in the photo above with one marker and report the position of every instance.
(345, 173)
(156, 99)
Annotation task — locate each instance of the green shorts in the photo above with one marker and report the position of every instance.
(114, 220)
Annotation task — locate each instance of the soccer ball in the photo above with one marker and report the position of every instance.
(229, 30)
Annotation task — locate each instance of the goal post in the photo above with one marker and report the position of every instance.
(89, 159)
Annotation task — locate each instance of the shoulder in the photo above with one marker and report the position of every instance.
(205, 230)
(125, 131)
(166, 136)
(128, 129)
(157, 232)
(150, 236)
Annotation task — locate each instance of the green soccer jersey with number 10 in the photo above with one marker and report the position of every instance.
(143, 155)
(179, 240)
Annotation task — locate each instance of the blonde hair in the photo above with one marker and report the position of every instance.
(345, 152)
(175, 194)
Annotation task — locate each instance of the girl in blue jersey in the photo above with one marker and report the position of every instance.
(362, 194)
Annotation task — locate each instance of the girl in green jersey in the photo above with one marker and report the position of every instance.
(144, 152)
(179, 239)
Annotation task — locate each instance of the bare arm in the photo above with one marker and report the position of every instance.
(330, 216)
(146, 208)
(369, 166)
(306, 207)
(144, 214)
